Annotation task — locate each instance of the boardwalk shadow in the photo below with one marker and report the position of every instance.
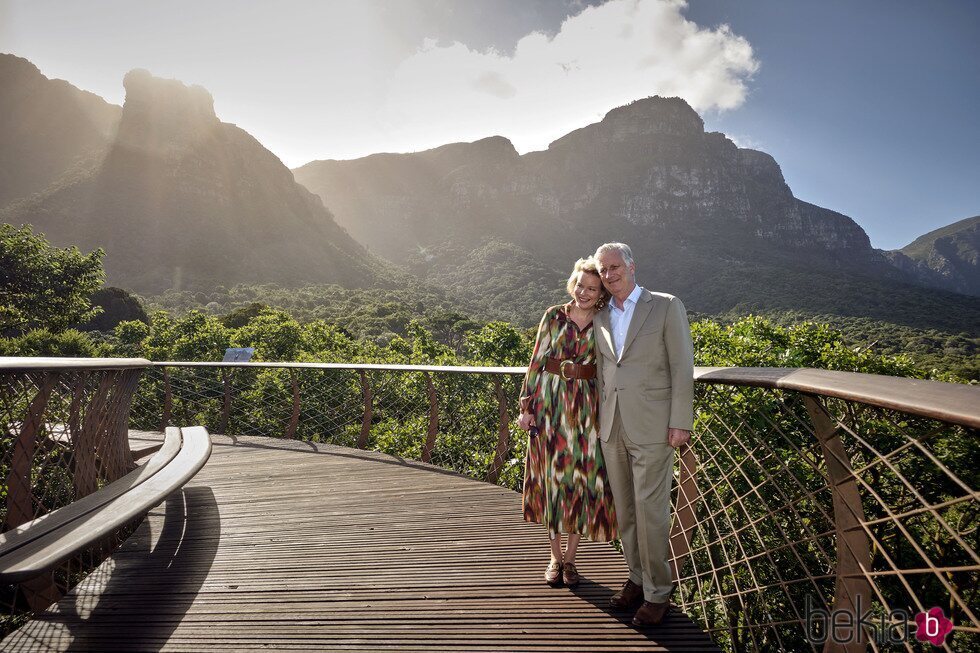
(599, 595)
(181, 561)
(161, 581)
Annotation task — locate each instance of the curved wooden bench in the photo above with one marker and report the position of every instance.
(44, 543)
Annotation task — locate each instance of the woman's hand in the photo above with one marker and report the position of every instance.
(526, 421)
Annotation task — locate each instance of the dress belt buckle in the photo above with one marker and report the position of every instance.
(561, 369)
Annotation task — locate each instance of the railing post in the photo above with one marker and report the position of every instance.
(853, 551)
(85, 473)
(294, 418)
(119, 457)
(685, 521)
(430, 439)
(226, 401)
(168, 401)
(20, 501)
(362, 440)
(503, 432)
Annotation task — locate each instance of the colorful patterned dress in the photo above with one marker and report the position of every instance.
(565, 486)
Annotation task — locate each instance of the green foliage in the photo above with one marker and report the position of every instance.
(41, 342)
(756, 341)
(241, 316)
(948, 356)
(41, 286)
(376, 313)
(381, 314)
(499, 343)
(195, 337)
(275, 336)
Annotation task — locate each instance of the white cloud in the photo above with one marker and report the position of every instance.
(601, 58)
(747, 142)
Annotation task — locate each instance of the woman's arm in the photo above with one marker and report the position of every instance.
(531, 390)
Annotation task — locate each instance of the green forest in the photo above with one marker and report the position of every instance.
(52, 297)
(53, 304)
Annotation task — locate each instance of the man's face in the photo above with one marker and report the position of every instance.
(617, 277)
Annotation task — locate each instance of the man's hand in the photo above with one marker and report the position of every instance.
(678, 437)
(526, 421)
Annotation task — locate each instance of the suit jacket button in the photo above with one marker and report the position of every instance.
(619, 364)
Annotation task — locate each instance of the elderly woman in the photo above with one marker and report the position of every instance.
(565, 485)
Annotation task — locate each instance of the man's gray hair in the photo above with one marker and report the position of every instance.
(623, 249)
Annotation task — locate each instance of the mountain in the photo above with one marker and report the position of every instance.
(711, 222)
(947, 258)
(48, 126)
(179, 199)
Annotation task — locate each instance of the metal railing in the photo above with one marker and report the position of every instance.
(65, 435)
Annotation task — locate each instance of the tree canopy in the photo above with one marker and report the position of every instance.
(43, 286)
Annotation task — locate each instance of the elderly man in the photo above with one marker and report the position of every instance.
(646, 381)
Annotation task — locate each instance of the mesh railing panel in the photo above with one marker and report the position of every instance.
(65, 435)
(462, 411)
(809, 505)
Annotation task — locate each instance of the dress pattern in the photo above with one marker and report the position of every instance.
(565, 486)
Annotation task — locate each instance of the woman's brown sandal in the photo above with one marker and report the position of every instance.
(570, 574)
(553, 574)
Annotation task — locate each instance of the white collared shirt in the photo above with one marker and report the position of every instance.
(619, 319)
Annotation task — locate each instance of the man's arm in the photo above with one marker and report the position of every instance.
(680, 358)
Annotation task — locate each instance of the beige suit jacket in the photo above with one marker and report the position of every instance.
(653, 382)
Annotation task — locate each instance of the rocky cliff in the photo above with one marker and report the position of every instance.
(947, 258)
(708, 220)
(47, 127)
(178, 198)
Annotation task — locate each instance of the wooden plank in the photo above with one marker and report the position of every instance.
(286, 545)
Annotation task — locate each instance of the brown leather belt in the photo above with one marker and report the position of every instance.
(568, 370)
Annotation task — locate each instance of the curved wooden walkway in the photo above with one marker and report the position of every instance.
(283, 545)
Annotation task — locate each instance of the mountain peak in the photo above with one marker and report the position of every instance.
(146, 92)
(651, 116)
(11, 65)
(654, 115)
(164, 114)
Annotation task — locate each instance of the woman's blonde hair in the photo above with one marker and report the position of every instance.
(590, 266)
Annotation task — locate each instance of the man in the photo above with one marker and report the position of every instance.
(646, 384)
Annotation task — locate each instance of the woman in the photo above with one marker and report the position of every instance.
(565, 485)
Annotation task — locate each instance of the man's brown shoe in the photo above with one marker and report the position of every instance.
(552, 575)
(629, 597)
(651, 614)
(570, 574)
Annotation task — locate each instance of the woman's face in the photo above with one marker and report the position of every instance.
(586, 291)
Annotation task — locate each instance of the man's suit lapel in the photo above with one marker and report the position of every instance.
(640, 313)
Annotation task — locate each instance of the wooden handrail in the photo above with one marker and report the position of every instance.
(949, 402)
(52, 363)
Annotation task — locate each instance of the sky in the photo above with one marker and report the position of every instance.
(869, 107)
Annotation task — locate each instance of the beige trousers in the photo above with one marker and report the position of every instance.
(641, 477)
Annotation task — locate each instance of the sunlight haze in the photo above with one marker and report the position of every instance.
(344, 79)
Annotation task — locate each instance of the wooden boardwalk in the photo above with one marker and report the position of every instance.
(284, 545)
